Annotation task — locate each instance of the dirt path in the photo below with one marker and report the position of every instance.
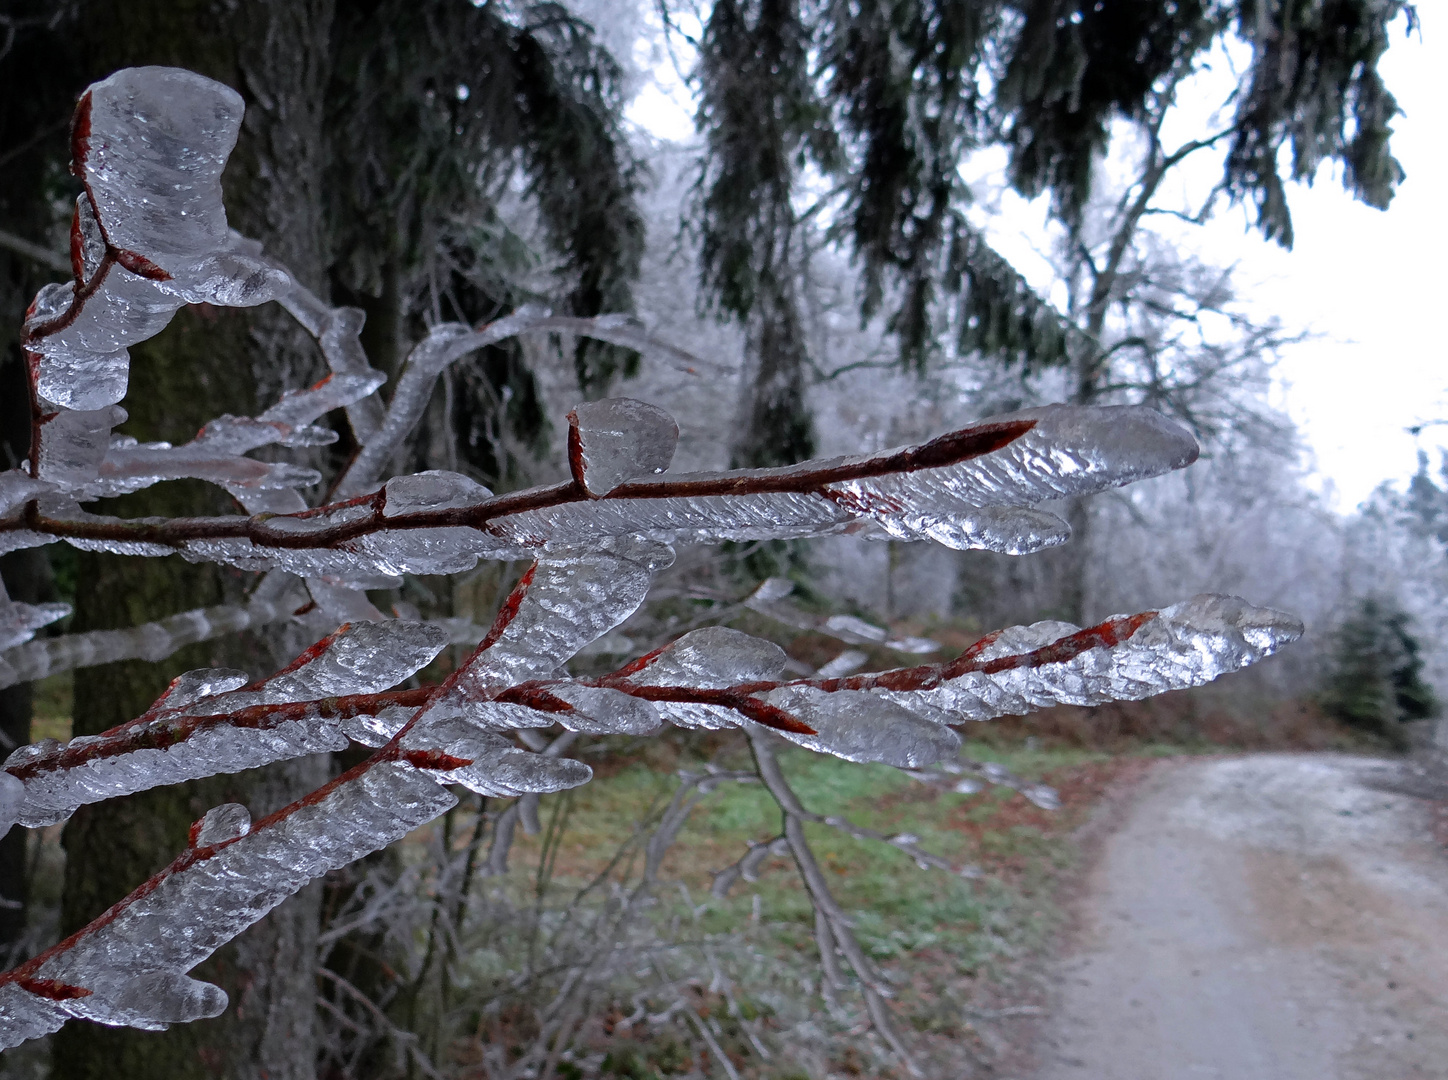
(1272, 917)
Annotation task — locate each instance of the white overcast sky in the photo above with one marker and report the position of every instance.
(1370, 285)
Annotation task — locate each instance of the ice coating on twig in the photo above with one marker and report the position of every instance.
(149, 233)
(146, 641)
(359, 658)
(235, 872)
(569, 598)
(1008, 530)
(711, 657)
(493, 766)
(768, 599)
(18, 622)
(196, 728)
(863, 727)
(216, 452)
(1188, 644)
(447, 343)
(207, 897)
(431, 490)
(616, 440)
(1067, 451)
(800, 501)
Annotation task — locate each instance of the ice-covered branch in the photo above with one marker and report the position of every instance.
(768, 599)
(711, 678)
(974, 488)
(146, 641)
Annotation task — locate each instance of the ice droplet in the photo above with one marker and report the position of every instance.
(192, 686)
(160, 998)
(617, 440)
(221, 823)
(432, 490)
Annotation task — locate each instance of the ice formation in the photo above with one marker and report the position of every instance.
(150, 235)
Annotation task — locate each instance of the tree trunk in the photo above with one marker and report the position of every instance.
(207, 363)
(778, 429)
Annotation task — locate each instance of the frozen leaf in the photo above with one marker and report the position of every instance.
(616, 440)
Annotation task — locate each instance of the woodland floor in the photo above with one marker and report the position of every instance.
(1264, 916)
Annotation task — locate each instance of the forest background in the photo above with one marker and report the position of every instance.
(822, 249)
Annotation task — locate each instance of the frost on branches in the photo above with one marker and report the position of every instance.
(150, 235)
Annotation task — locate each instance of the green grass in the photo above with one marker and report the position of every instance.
(899, 909)
(53, 704)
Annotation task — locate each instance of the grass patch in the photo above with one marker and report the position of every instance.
(53, 705)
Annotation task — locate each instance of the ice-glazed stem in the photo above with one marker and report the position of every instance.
(450, 342)
(146, 641)
(805, 498)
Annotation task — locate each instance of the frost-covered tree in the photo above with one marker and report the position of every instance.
(859, 115)
(149, 237)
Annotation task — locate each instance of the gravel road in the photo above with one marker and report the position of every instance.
(1271, 917)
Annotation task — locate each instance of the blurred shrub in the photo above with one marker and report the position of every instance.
(1375, 679)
